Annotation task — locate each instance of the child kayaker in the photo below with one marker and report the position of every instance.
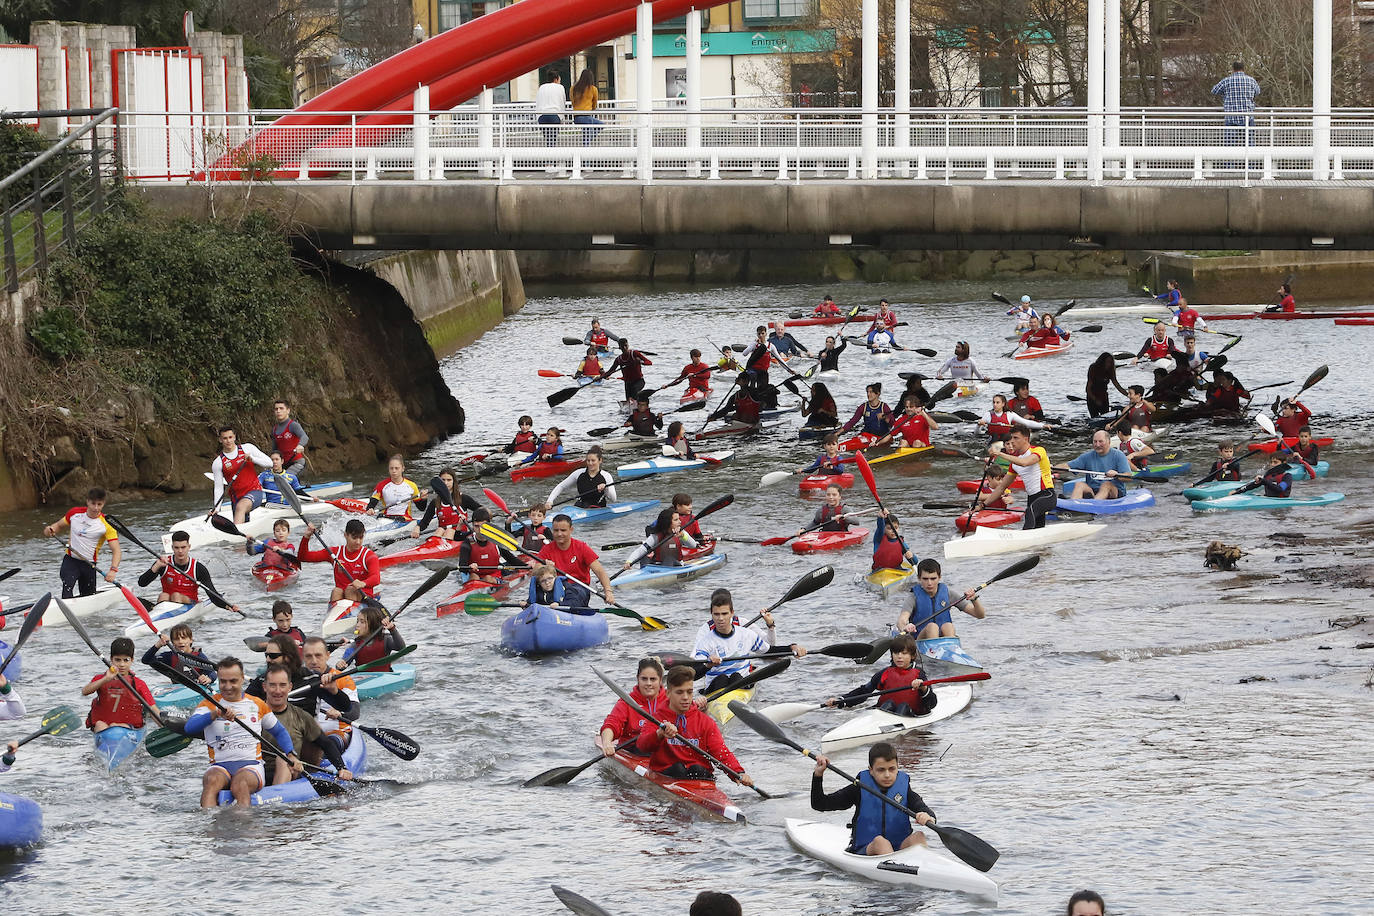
(281, 623)
(682, 503)
(663, 542)
(879, 829)
(590, 367)
(1226, 467)
(450, 515)
(551, 449)
(998, 421)
(479, 556)
(829, 461)
(1277, 479)
(928, 615)
(1293, 416)
(830, 516)
(642, 420)
(534, 534)
(1024, 403)
(113, 703)
(526, 440)
(1305, 449)
(546, 587)
(366, 647)
(902, 672)
(673, 746)
(677, 445)
(889, 551)
(183, 656)
(277, 552)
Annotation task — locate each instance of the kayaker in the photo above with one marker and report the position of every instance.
(451, 519)
(183, 655)
(828, 461)
(682, 503)
(928, 615)
(357, 572)
(233, 468)
(577, 561)
(1225, 467)
(960, 366)
(911, 428)
(783, 343)
(672, 746)
(622, 724)
(878, 829)
(998, 421)
(277, 551)
(392, 498)
(889, 550)
(884, 322)
(830, 355)
(698, 376)
(307, 737)
(1100, 373)
(1171, 295)
(599, 337)
(723, 638)
(235, 755)
(1102, 464)
(1286, 301)
(89, 531)
(526, 439)
(630, 364)
(113, 704)
(882, 341)
(1051, 323)
(1277, 478)
(1023, 403)
(1156, 346)
(1225, 394)
(11, 704)
(759, 357)
(901, 671)
(182, 576)
(1136, 450)
(288, 437)
(1032, 465)
(595, 487)
(534, 534)
(366, 647)
(663, 543)
(830, 516)
(1037, 335)
(1137, 413)
(547, 587)
(872, 416)
(479, 556)
(1023, 313)
(819, 410)
(280, 650)
(268, 479)
(1293, 416)
(550, 449)
(1188, 320)
(1196, 359)
(590, 366)
(642, 420)
(826, 309)
(334, 700)
(915, 388)
(1305, 450)
(677, 444)
(282, 625)
(746, 405)
(1086, 903)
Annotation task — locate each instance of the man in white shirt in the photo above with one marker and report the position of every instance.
(549, 102)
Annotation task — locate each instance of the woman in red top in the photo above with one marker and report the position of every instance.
(673, 746)
(1286, 301)
(623, 725)
(912, 428)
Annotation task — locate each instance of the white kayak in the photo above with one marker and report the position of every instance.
(340, 619)
(628, 440)
(167, 614)
(1144, 435)
(917, 866)
(259, 524)
(666, 465)
(872, 725)
(653, 574)
(106, 596)
(386, 528)
(986, 542)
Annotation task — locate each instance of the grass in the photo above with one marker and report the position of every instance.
(25, 246)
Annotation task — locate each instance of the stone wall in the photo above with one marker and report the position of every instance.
(1334, 277)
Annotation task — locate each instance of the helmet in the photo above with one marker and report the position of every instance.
(1026, 299)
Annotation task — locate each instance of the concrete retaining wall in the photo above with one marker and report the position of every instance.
(1333, 277)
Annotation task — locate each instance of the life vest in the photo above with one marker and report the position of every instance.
(115, 705)
(747, 410)
(354, 567)
(759, 358)
(588, 496)
(525, 441)
(667, 553)
(1225, 398)
(924, 606)
(547, 450)
(888, 555)
(296, 633)
(698, 377)
(374, 650)
(450, 516)
(178, 582)
(830, 465)
(1231, 473)
(591, 366)
(999, 426)
(599, 338)
(1027, 407)
(239, 473)
(883, 322)
(874, 818)
(1308, 452)
(875, 419)
(551, 596)
(272, 557)
(483, 559)
(1157, 349)
(689, 525)
(830, 518)
(642, 422)
(285, 441)
(1138, 415)
(530, 536)
(900, 677)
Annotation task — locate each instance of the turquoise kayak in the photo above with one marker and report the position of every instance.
(1252, 501)
(371, 684)
(114, 745)
(1134, 499)
(21, 821)
(1166, 469)
(666, 465)
(300, 790)
(652, 574)
(1219, 488)
(581, 516)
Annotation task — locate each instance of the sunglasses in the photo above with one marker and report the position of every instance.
(272, 654)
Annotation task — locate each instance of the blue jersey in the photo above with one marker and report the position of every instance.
(269, 485)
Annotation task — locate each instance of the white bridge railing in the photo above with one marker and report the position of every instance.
(792, 144)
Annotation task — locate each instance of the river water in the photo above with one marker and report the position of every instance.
(1123, 742)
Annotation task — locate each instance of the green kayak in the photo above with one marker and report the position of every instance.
(1254, 501)
(1219, 488)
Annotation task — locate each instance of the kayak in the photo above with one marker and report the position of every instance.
(986, 542)
(874, 724)
(386, 527)
(899, 453)
(1291, 316)
(456, 603)
(719, 708)
(822, 320)
(653, 574)
(167, 614)
(1167, 469)
(300, 790)
(371, 684)
(275, 578)
(1289, 442)
(692, 395)
(946, 654)
(825, 481)
(582, 516)
(880, 352)
(541, 630)
(968, 390)
(990, 518)
(21, 821)
(259, 524)
(1134, 499)
(1252, 501)
(114, 745)
(1354, 321)
(1219, 488)
(666, 465)
(102, 599)
(703, 795)
(536, 469)
(816, 432)
(1144, 435)
(738, 429)
(887, 582)
(915, 866)
(340, 619)
(971, 486)
(629, 440)
(431, 548)
(1037, 352)
(813, 541)
(859, 442)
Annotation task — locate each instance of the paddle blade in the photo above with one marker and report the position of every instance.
(1312, 379)
(561, 395)
(783, 712)
(1266, 424)
(139, 609)
(479, 605)
(574, 341)
(558, 776)
(924, 351)
(394, 741)
(425, 586)
(32, 621)
(602, 431)
(289, 493)
(945, 392)
(1090, 329)
(1071, 304)
(716, 506)
(9, 572)
(1001, 298)
(441, 490)
(854, 650)
(762, 724)
(975, 851)
(255, 643)
(221, 523)
(867, 473)
(164, 742)
(496, 499)
(773, 542)
(878, 650)
(1026, 564)
(576, 902)
(749, 680)
(60, 720)
(550, 373)
(773, 477)
(813, 581)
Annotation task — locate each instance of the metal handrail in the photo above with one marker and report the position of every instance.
(52, 151)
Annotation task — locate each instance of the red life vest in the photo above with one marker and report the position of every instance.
(667, 553)
(690, 525)
(355, 567)
(591, 366)
(450, 516)
(176, 582)
(547, 450)
(599, 338)
(525, 441)
(1138, 416)
(286, 441)
(999, 425)
(888, 555)
(747, 409)
(483, 559)
(1157, 349)
(830, 518)
(271, 557)
(883, 322)
(759, 358)
(239, 473)
(1027, 407)
(899, 677)
(373, 651)
(114, 705)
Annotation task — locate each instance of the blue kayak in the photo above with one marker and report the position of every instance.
(114, 745)
(1134, 499)
(948, 655)
(541, 630)
(21, 821)
(15, 669)
(653, 574)
(666, 465)
(1252, 500)
(300, 790)
(582, 516)
(371, 684)
(1219, 488)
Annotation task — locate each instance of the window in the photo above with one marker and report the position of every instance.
(773, 10)
(453, 13)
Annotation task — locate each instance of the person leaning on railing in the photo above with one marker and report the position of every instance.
(585, 98)
(1237, 91)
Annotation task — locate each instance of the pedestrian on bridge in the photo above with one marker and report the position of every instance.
(549, 103)
(1237, 91)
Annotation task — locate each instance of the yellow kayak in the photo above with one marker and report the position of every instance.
(719, 708)
(900, 453)
(887, 582)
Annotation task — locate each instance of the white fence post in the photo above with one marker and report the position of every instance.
(420, 134)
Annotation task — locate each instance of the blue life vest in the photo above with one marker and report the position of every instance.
(874, 818)
(874, 421)
(926, 605)
(269, 486)
(554, 597)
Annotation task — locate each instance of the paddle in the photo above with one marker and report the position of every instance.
(1214, 475)
(563, 394)
(1001, 298)
(867, 473)
(9, 572)
(295, 502)
(575, 342)
(971, 849)
(129, 596)
(720, 503)
(576, 902)
(312, 680)
(164, 742)
(496, 501)
(1170, 324)
(32, 621)
(124, 531)
(781, 712)
(850, 650)
(80, 629)
(1271, 385)
(973, 507)
(648, 717)
(750, 679)
(55, 722)
(1317, 375)
(1025, 564)
(562, 775)
(779, 541)
(810, 582)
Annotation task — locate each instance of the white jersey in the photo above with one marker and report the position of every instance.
(227, 742)
(254, 455)
(957, 368)
(571, 481)
(741, 641)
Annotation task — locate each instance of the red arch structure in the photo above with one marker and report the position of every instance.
(456, 65)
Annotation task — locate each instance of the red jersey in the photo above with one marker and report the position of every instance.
(240, 473)
(1187, 318)
(285, 441)
(576, 561)
(626, 723)
(912, 429)
(547, 451)
(362, 565)
(1288, 427)
(181, 582)
(114, 705)
(1156, 349)
(1288, 304)
(698, 376)
(883, 322)
(695, 729)
(690, 525)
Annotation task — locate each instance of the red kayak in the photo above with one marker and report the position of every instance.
(859, 442)
(813, 541)
(1354, 321)
(828, 319)
(692, 395)
(1290, 316)
(1290, 441)
(971, 486)
(990, 518)
(454, 604)
(823, 481)
(349, 504)
(544, 469)
(432, 548)
(274, 578)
